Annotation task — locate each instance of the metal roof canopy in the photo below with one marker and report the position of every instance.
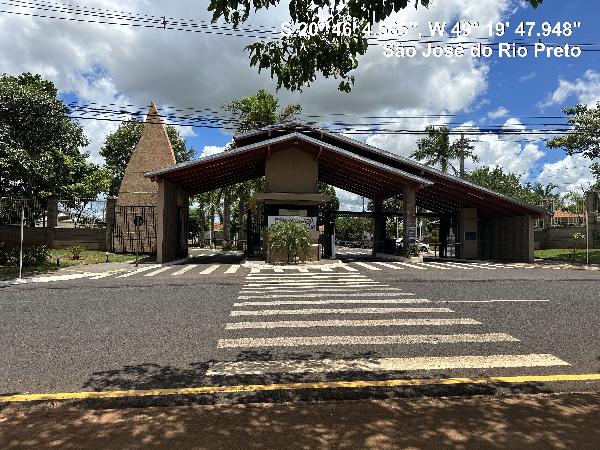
(344, 163)
(447, 193)
(338, 167)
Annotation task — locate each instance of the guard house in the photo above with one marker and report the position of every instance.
(293, 158)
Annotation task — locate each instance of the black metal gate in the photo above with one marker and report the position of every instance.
(124, 233)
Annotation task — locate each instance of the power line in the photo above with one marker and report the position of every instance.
(156, 22)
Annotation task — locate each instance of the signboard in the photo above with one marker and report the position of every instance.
(310, 222)
(412, 233)
(470, 235)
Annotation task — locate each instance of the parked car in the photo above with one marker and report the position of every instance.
(423, 247)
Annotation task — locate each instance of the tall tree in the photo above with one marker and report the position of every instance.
(584, 138)
(595, 168)
(503, 183)
(259, 110)
(436, 149)
(119, 145)
(251, 112)
(295, 59)
(40, 153)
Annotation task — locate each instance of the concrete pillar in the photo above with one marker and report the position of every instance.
(409, 202)
(111, 204)
(467, 233)
(51, 222)
(378, 226)
(168, 222)
(531, 238)
(444, 228)
(52, 212)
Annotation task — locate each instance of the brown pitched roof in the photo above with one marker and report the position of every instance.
(154, 150)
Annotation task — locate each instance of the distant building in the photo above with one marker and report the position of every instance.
(566, 218)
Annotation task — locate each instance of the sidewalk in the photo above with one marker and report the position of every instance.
(564, 421)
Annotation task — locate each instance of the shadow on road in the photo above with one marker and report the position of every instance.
(541, 421)
(155, 376)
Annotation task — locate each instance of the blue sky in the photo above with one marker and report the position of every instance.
(123, 65)
(519, 87)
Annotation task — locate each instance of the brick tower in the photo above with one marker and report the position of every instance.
(138, 195)
(153, 151)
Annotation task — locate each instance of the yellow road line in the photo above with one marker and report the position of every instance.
(204, 390)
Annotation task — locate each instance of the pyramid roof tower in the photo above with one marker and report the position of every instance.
(153, 151)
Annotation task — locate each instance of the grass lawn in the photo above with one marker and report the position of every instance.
(567, 255)
(65, 256)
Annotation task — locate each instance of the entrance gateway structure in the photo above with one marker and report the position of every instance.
(294, 158)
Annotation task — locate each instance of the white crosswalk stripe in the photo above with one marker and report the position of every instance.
(209, 270)
(436, 266)
(391, 266)
(156, 272)
(367, 266)
(384, 364)
(363, 294)
(140, 270)
(402, 339)
(187, 268)
(349, 323)
(454, 265)
(233, 269)
(395, 301)
(413, 266)
(294, 312)
(347, 300)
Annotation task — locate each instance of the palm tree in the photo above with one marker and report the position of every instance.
(254, 111)
(436, 149)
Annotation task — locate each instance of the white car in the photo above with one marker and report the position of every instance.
(423, 247)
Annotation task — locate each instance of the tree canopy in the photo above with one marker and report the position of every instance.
(584, 138)
(40, 145)
(510, 184)
(119, 145)
(295, 60)
(436, 149)
(259, 110)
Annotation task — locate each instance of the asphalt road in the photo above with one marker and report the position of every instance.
(165, 331)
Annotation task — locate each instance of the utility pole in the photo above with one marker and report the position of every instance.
(21, 250)
(586, 208)
(462, 155)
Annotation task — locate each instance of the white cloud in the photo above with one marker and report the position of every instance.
(210, 150)
(500, 112)
(570, 173)
(527, 77)
(585, 89)
(183, 69)
(350, 201)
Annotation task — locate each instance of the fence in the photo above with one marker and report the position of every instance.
(92, 224)
(125, 234)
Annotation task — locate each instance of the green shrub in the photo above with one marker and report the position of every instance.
(7, 253)
(35, 255)
(291, 238)
(76, 252)
(410, 251)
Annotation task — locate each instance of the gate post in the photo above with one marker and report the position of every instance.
(52, 221)
(111, 203)
(168, 222)
(409, 217)
(378, 226)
